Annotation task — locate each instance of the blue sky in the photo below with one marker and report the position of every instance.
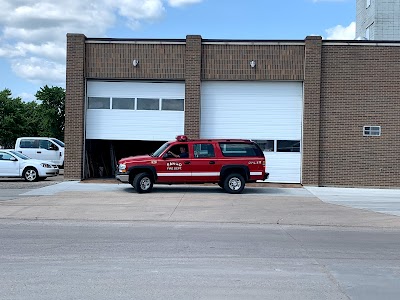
(32, 32)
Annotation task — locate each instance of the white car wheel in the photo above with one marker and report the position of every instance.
(31, 174)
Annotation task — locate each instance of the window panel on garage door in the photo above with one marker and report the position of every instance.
(172, 104)
(123, 103)
(98, 103)
(148, 104)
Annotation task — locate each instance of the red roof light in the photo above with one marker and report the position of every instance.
(181, 138)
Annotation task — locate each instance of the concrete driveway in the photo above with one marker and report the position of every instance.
(386, 201)
(71, 200)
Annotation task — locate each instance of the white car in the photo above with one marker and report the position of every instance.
(15, 164)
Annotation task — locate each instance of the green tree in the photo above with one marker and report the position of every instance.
(51, 111)
(17, 118)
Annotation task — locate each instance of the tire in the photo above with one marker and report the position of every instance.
(234, 183)
(31, 174)
(143, 183)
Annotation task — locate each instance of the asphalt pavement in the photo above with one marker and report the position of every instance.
(77, 240)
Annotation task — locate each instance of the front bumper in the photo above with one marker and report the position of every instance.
(54, 172)
(47, 172)
(122, 177)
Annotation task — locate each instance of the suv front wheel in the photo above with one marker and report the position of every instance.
(234, 183)
(143, 183)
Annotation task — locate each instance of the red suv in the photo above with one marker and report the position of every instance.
(230, 163)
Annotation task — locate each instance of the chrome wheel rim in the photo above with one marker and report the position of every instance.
(30, 175)
(235, 183)
(145, 183)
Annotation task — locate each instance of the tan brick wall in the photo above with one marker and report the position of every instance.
(192, 86)
(232, 62)
(156, 61)
(311, 113)
(74, 106)
(360, 86)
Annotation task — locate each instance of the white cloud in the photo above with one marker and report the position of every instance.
(340, 32)
(33, 32)
(177, 3)
(39, 71)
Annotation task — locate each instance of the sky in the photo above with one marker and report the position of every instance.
(33, 32)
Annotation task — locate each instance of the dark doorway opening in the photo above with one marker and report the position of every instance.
(102, 156)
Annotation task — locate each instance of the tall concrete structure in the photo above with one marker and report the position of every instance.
(378, 19)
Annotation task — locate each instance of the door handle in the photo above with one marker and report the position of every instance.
(187, 162)
(211, 162)
(39, 152)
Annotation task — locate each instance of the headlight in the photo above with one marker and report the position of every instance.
(122, 168)
(45, 165)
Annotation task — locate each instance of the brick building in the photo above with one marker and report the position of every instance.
(325, 112)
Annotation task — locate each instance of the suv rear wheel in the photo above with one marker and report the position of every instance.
(143, 183)
(234, 183)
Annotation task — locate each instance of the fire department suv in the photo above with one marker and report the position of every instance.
(230, 163)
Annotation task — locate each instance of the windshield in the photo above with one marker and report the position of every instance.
(20, 155)
(160, 150)
(58, 142)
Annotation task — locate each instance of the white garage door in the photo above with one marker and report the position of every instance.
(267, 112)
(134, 110)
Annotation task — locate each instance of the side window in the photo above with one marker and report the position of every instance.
(240, 150)
(203, 150)
(178, 151)
(28, 144)
(44, 144)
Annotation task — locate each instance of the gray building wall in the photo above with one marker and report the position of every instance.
(382, 17)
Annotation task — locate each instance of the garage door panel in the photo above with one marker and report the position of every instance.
(131, 124)
(258, 111)
(283, 167)
(128, 125)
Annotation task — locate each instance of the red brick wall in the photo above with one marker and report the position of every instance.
(192, 86)
(360, 85)
(232, 62)
(156, 61)
(311, 113)
(74, 106)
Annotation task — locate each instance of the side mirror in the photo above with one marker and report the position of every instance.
(53, 147)
(13, 159)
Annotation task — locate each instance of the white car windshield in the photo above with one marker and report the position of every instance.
(20, 155)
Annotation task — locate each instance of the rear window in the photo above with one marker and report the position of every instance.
(240, 150)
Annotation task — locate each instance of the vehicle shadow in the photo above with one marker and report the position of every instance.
(173, 189)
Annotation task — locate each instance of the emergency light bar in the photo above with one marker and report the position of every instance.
(181, 138)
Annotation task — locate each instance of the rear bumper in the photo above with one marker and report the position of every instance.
(124, 178)
(266, 176)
